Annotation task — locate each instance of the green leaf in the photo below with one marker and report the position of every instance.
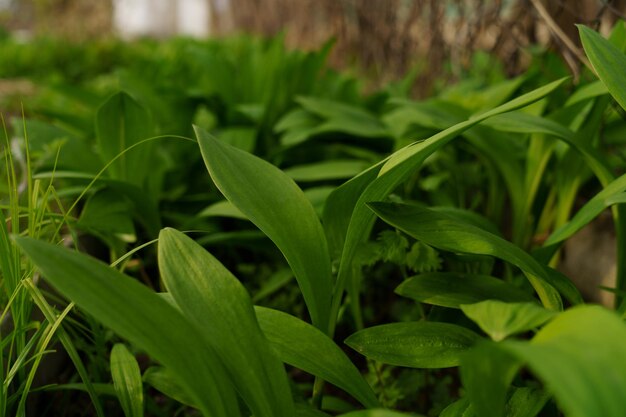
(162, 380)
(213, 299)
(611, 194)
(377, 413)
(414, 344)
(127, 381)
(275, 204)
(448, 233)
(579, 357)
(460, 408)
(140, 316)
(449, 289)
(347, 204)
(608, 61)
(344, 118)
(526, 402)
(302, 345)
(108, 212)
(501, 320)
(120, 123)
(222, 209)
(486, 372)
(328, 170)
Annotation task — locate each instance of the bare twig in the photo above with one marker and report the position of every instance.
(558, 32)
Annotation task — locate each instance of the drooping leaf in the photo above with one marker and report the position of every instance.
(447, 233)
(140, 316)
(213, 299)
(450, 289)
(127, 381)
(162, 380)
(608, 61)
(414, 344)
(300, 344)
(352, 221)
(501, 320)
(275, 204)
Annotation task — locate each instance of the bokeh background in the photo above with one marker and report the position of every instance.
(383, 39)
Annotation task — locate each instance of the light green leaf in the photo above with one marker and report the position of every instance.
(300, 344)
(120, 123)
(329, 170)
(414, 344)
(501, 320)
(447, 233)
(213, 299)
(140, 316)
(450, 289)
(275, 204)
(579, 357)
(127, 381)
(222, 209)
(162, 380)
(608, 61)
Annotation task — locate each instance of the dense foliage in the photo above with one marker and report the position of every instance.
(183, 219)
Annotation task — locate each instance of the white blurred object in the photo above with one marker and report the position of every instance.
(160, 18)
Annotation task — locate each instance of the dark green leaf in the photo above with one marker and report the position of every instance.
(212, 298)
(275, 204)
(450, 289)
(414, 344)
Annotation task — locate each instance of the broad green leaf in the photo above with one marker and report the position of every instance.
(526, 402)
(486, 372)
(354, 221)
(460, 408)
(447, 233)
(275, 204)
(140, 316)
(330, 170)
(414, 344)
(302, 345)
(127, 381)
(213, 299)
(522, 402)
(377, 413)
(579, 357)
(222, 209)
(587, 91)
(608, 61)
(107, 212)
(501, 320)
(344, 118)
(305, 410)
(449, 289)
(162, 380)
(120, 123)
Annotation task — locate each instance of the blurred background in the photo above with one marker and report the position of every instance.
(383, 39)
